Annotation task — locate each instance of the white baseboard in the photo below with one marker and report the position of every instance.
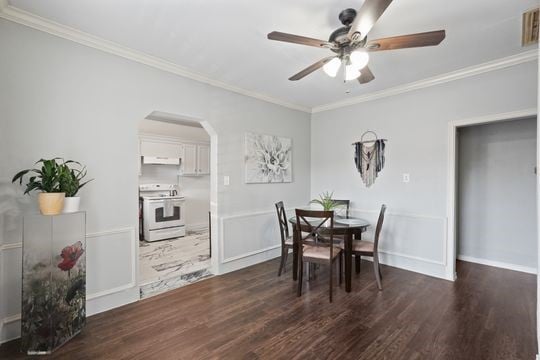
(413, 264)
(245, 261)
(499, 264)
(197, 226)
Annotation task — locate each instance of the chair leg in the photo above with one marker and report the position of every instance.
(285, 261)
(282, 262)
(331, 267)
(340, 268)
(357, 259)
(377, 271)
(300, 276)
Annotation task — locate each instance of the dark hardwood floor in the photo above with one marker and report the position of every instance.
(487, 313)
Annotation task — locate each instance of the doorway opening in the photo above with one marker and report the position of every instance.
(492, 192)
(496, 213)
(175, 196)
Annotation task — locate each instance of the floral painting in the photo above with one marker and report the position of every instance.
(268, 159)
(54, 285)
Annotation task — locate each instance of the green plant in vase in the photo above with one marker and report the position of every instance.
(325, 200)
(47, 180)
(58, 182)
(71, 182)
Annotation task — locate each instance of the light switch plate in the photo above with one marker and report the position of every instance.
(406, 178)
(226, 180)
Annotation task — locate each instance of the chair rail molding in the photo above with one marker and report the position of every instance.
(14, 14)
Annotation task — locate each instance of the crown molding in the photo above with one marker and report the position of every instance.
(22, 17)
(474, 70)
(26, 18)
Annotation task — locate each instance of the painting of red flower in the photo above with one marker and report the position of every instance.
(70, 254)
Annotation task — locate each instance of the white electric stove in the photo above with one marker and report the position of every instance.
(162, 212)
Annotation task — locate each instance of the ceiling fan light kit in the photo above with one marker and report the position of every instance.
(331, 68)
(351, 73)
(351, 46)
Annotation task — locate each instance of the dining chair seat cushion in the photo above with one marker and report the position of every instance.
(362, 246)
(289, 240)
(320, 252)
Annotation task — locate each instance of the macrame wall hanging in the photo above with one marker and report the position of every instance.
(369, 157)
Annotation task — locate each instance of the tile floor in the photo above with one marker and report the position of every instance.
(169, 264)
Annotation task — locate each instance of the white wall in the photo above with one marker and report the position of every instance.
(497, 183)
(59, 98)
(196, 189)
(416, 126)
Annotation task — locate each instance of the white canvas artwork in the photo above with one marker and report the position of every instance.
(268, 159)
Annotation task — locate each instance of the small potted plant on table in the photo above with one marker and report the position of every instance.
(47, 180)
(56, 180)
(71, 183)
(325, 200)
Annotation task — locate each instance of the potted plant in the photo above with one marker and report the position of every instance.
(47, 180)
(326, 201)
(71, 183)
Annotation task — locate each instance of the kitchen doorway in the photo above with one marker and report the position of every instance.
(175, 244)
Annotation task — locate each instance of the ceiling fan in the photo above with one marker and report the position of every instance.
(351, 45)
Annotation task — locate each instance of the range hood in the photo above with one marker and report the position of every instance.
(158, 160)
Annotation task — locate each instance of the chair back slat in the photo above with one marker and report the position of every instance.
(315, 228)
(283, 224)
(343, 204)
(378, 229)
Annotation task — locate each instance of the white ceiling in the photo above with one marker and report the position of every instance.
(226, 40)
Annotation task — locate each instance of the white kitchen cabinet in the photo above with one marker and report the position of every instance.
(161, 149)
(203, 159)
(196, 160)
(189, 161)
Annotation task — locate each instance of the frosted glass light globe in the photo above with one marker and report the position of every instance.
(331, 68)
(359, 59)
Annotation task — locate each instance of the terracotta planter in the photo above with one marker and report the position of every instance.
(51, 203)
(71, 204)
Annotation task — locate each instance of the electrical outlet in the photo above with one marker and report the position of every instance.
(226, 180)
(406, 178)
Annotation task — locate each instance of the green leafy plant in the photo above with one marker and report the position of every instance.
(47, 178)
(71, 179)
(325, 200)
(54, 175)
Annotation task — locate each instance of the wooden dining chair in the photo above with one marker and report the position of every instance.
(316, 243)
(286, 239)
(371, 248)
(340, 204)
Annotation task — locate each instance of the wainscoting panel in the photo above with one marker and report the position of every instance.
(246, 235)
(409, 241)
(110, 268)
(12, 258)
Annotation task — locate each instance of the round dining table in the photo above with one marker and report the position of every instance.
(350, 228)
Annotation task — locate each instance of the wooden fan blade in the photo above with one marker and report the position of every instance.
(319, 64)
(429, 38)
(366, 17)
(302, 40)
(365, 75)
